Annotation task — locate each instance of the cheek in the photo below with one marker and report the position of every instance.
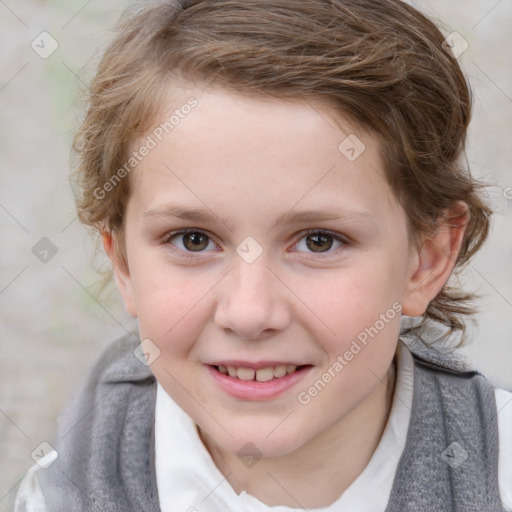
(169, 302)
(347, 300)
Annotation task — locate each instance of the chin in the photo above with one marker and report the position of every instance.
(258, 441)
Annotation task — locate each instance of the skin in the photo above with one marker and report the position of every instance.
(248, 161)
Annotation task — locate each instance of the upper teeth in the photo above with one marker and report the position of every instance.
(261, 375)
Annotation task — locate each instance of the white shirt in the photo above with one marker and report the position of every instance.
(189, 481)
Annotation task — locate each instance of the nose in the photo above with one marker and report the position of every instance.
(253, 302)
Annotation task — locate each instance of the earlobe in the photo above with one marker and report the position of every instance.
(121, 273)
(435, 260)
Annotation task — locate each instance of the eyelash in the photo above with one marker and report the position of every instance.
(191, 254)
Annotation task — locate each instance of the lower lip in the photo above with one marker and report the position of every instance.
(254, 390)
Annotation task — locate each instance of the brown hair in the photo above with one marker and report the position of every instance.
(379, 62)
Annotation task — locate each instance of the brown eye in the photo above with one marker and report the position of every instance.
(319, 242)
(195, 241)
(187, 242)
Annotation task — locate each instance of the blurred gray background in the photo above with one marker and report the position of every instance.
(53, 322)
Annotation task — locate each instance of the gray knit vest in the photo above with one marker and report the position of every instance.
(106, 442)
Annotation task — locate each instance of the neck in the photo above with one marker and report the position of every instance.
(319, 472)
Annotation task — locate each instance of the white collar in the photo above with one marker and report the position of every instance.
(189, 480)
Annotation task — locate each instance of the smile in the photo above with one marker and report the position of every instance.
(257, 383)
(260, 375)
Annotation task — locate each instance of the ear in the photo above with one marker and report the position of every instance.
(435, 260)
(121, 273)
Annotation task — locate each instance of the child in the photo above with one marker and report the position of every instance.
(278, 184)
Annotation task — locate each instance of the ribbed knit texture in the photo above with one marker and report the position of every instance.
(106, 441)
(435, 475)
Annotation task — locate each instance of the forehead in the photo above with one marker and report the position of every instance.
(240, 153)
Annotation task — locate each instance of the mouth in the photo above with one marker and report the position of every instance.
(265, 374)
(262, 381)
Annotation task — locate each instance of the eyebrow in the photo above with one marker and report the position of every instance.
(203, 215)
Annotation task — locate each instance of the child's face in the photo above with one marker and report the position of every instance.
(213, 299)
